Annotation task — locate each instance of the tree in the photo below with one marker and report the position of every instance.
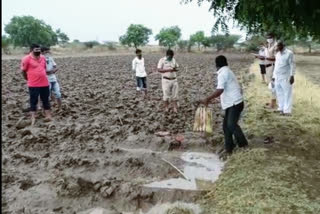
(287, 18)
(182, 44)
(5, 42)
(252, 43)
(136, 35)
(26, 30)
(90, 44)
(62, 37)
(168, 37)
(207, 41)
(198, 38)
(223, 42)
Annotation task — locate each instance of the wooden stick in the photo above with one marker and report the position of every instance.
(175, 168)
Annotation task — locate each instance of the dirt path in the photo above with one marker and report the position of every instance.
(101, 148)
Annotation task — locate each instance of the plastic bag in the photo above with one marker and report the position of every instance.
(203, 120)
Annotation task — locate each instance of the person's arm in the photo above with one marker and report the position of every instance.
(292, 68)
(271, 59)
(160, 67)
(24, 68)
(214, 95)
(222, 79)
(133, 65)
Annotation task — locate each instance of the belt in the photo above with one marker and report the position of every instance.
(269, 65)
(168, 78)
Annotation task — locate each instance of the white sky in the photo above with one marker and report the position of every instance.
(106, 20)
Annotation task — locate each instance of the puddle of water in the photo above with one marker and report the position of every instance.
(197, 166)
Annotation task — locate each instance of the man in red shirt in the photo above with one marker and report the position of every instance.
(33, 68)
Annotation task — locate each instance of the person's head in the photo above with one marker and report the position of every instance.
(139, 53)
(45, 50)
(35, 49)
(270, 37)
(170, 54)
(280, 45)
(221, 61)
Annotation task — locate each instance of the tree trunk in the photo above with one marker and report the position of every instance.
(309, 48)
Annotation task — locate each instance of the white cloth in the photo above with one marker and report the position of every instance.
(51, 64)
(138, 67)
(284, 65)
(262, 52)
(231, 89)
(166, 64)
(284, 95)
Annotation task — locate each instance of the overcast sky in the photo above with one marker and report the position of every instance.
(106, 20)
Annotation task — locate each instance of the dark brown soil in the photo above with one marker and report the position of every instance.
(88, 155)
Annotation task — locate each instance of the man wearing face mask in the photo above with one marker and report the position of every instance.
(168, 67)
(284, 78)
(33, 68)
(270, 52)
(230, 93)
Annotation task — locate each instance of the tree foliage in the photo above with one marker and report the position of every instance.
(90, 44)
(5, 42)
(62, 37)
(26, 30)
(182, 44)
(168, 37)
(136, 35)
(207, 42)
(198, 38)
(286, 18)
(222, 42)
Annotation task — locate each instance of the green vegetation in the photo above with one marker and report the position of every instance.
(136, 35)
(26, 30)
(288, 18)
(223, 42)
(197, 38)
(169, 37)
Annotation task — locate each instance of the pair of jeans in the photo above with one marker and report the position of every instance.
(142, 82)
(231, 128)
(34, 93)
(55, 88)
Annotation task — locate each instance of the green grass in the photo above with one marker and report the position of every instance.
(283, 177)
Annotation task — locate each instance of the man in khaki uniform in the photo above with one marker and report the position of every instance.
(167, 66)
(270, 52)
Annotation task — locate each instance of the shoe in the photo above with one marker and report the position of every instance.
(138, 89)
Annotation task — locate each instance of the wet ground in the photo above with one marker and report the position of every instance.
(102, 150)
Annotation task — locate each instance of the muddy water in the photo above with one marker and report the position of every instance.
(101, 148)
(197, 166)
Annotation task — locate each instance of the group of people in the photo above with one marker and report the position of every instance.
(39, 69)
(277, 68)
(228, 89)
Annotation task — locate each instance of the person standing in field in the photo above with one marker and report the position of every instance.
(51, 69)
(269, 58)
(168, 67)
(33, 68)
(230, 93)
(140, 70)
(262, 62)
(283, 75)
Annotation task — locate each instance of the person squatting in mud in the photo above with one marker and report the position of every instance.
(33, 68)
(141, 74)
(229, 91)
(168, 67)
(51, 69)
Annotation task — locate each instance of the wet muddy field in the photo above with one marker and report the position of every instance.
(102, 148)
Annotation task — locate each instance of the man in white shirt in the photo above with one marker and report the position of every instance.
(284, 78)
(141, 74)
(229, 91)
(168, 67)
(262, 63)
(269, 58)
